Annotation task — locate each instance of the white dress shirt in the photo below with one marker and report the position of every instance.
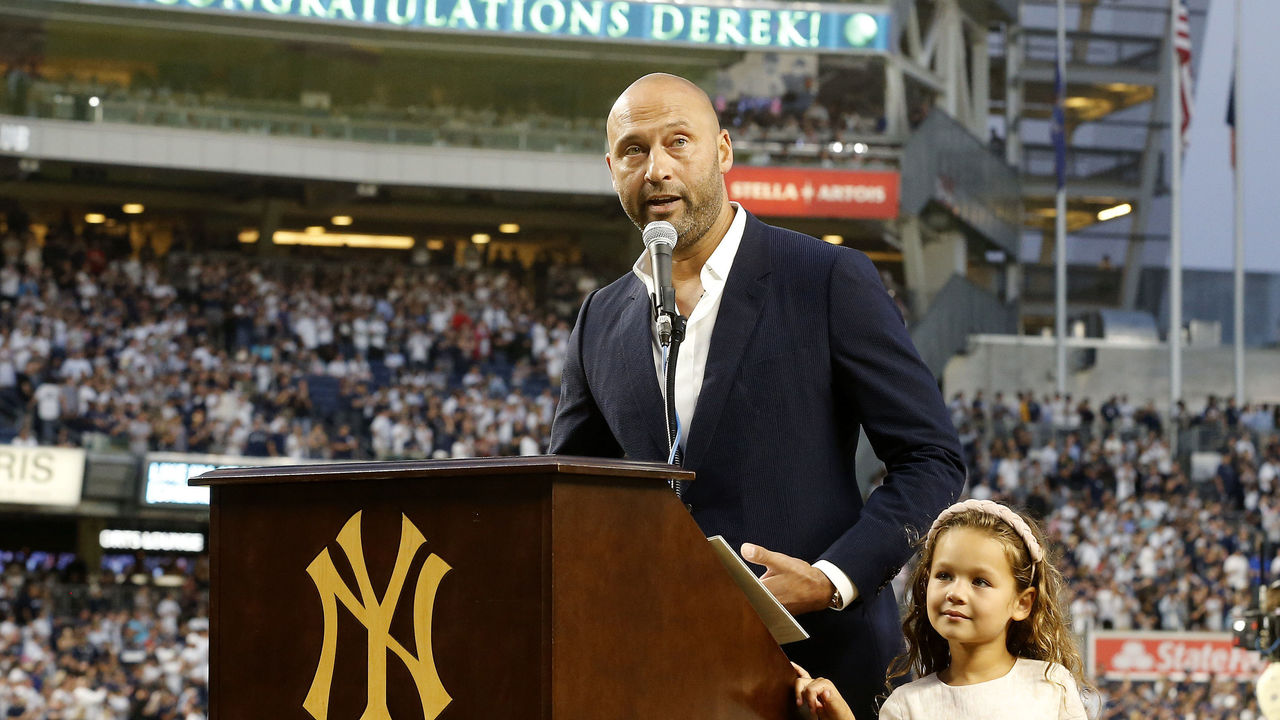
(691, 363)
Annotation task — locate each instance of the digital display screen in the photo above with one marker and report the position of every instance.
(166, 483)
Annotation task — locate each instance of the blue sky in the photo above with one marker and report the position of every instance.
(1207, 201)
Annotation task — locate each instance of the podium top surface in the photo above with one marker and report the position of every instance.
(439, 469)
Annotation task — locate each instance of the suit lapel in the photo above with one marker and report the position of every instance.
(744, 296)
(634, 350)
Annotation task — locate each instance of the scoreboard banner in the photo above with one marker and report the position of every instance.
(796, 192)
(41, 475)
(1150, 655)
(749, 25)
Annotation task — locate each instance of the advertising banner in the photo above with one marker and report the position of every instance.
(41, 475)
(816, 193)
(757, 25)
(1138, 655)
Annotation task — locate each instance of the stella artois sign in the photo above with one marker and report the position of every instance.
(794, 192)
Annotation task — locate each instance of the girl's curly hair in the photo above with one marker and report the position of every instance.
(1044, 635)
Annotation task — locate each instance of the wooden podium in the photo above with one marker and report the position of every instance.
(544, 587)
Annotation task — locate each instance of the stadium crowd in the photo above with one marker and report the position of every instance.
(238, 357)
(1219, 699)
(1146, 545)
(77, 646)
(309, 361)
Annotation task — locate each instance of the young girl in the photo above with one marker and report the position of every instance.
(986, 632)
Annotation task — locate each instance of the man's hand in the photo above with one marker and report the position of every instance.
(799, 586)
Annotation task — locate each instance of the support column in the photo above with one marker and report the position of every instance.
(913, 263)
(945, 255)
(979, 81)
(895, 99)
(1012, 280)
(1048, 244)
(928, 263)
(87, 545)
(1152, 166)
(1013, 95)
(272, 209)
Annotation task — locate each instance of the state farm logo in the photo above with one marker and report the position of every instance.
(747, 190)
(1133, 655)
(1153, 655)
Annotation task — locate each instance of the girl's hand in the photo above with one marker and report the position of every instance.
(820, 697)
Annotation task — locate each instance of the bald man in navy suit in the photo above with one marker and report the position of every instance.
(792, 346)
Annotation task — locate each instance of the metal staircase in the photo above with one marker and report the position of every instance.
(1116, 123)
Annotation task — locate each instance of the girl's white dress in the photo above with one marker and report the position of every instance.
(1024, 693)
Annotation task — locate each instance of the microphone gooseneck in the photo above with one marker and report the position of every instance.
(660, 239)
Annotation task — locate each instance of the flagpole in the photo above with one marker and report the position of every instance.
(1237, 162)
(1060, 218)
(1175, 225)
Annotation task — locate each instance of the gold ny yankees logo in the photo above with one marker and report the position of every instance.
(376, 616)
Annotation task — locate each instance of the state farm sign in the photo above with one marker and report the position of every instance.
(1153, 655)
(793, 192)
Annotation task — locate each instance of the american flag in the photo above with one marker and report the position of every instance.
(1182, 46)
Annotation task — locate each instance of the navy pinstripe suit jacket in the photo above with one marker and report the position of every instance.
(807, 348)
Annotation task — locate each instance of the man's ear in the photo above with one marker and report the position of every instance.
(1023, 604)
(608, 162)
(724, 146)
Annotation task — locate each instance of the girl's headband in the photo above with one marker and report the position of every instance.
(992, 508)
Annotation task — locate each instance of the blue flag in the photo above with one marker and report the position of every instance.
(1059, 129)
(1231, 116)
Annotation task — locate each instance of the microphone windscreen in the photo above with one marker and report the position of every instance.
(659, 230)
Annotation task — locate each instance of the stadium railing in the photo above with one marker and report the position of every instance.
(436, 126)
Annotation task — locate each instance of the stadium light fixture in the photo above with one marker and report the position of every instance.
(293, 237)
(132, 208)
(314, 230)
(833, 239)
(1112, 213)
(837, 147)
(94, 101)
(341, 220)
(95, 218)
(859, 148)
(509, 228)
(480, 238)
(435, 244)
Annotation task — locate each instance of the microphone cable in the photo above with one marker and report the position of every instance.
(675, 456)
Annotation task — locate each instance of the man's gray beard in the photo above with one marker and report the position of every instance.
(695, 224)
(699, 223)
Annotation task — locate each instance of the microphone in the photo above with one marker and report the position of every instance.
(660, 240)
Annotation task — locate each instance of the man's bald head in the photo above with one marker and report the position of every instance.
(660, 88)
